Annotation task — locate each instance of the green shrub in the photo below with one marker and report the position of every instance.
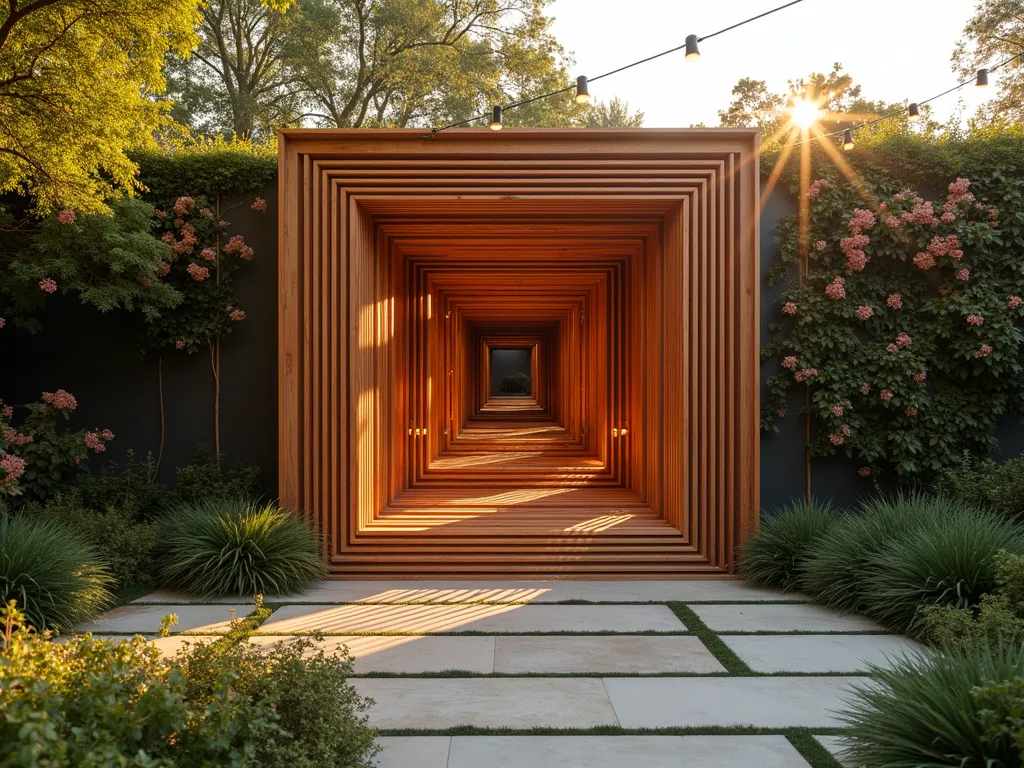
(836, 564)
(998, 619)
(940, 709)
(129, 485)
(775, 553)
(52, 572)
(239, 547)
(205, 480)
(516, 383)
(952, 562)
(983, 482)
(126, 546)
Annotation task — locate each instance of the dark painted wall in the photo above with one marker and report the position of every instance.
(96, 358)
(505, 362)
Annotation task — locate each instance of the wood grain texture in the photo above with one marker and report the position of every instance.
(625, 261)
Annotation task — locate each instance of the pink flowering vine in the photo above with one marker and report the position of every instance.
(836, 439)
(820, 246)
(864, 471)
(183, 205)
(885, 395)
(789, 362)
(48, 284)
(903, 340)
(61, 400)
(815, 188)
(12, 467)
(920, 376)
(67, 216)
(984, 351)
(975, 319)
(835, 289)
(790, 308)
(864, 312)
(911, 411)
(924, 260)
(1013, 302)
(197, 272)
(179, 344)
(259, 204)
(963, 274)
(837, 409)
(864, 389)
(805, 374)
(895, 301)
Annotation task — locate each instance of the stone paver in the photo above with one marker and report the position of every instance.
(471, 618)
(413, 751)
(781, 618)
(818, 653)
(408, 654)
(618, 751)
(762, 702)
(169, 596)
(525, 592)
(606, 654)
(145, 619)
(564, 702)
(835, 745)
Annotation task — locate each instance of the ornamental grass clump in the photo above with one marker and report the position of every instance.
(774, 555)
(239, 547)
(953, 562)
(52, 573)
(940, 709)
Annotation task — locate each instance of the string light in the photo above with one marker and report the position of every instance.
(981, 81)
(848, 140)
(582, 94)
(692, 53)
(913, 113)
(496, 123)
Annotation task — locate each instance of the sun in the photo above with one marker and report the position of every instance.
(805, 113)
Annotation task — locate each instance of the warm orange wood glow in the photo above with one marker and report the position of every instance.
(624, 262)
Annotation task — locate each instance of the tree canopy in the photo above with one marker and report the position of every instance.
(80, 82)
(994, 34)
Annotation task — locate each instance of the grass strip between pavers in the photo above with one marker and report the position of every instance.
(726, 656)
(812, 750)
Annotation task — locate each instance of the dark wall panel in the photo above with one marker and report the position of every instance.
(505, 362)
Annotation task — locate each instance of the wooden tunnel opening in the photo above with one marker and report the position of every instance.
(622, 264)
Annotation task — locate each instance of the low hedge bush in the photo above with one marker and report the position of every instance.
(941, 709)
(983, 482)
(52, 572)
(774, 555)
(239, 547)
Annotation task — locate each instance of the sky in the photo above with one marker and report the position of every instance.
(895, 49)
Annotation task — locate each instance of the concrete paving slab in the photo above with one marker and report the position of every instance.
(531, 592)
(413, 752)
(618, 751)
(142, 619)
(835, 745)
(782, 618)
(602, 654)
(405, 654)
(762, 702)
(819, 653)
(564, 702)
(168, 596)
(472, 618)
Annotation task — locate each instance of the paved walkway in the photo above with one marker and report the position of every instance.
(566, 674)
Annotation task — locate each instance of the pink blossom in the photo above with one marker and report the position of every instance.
(903, 340)
(236, 246)
(835, 289)
(958, 193)
(993, 213)
(864, 471)
(963, 274)
(820, 246)
(911, 411)
(864, 312)
(892, 222)
(66, 216)
(789, 362)
(164, 268)
(146, 282)
(11, 435)
(946, 246)
(985, 351)
(805, 374)
(208, 253)
(845, 429)
(862, 219)
(206, 212)
(237, 315)
(947, 218)
(179, 344)
(60, 400)
(959, 187)
(94, 443)
(837, 409)
(106, 434)
(836, 439)
(993, 224)
(854, 242)
(922, 213)
(898, 197)
(924, 260)
(197, 272)
(259, 204)
(224, 224)
(864, 389)
(920, 376)
(6, 412)
(895, 301)
(892, 349)
(168, 237)
(2, 322)
(885, 395)
(856, 261)
(1013, 303)
(160, 214)
(815, 188)
(12, 467)
(975, 319)
(179, 222)
(789, 308)
(183, 205)
(48, 284)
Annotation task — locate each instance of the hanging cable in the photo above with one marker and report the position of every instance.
(689, 45)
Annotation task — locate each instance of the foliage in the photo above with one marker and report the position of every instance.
(52, 572)
(92, 702)
(79, 82)
(908, 326)
(951, 562)
(994, 34)
(982, 482)
(108, 261)
(940, 709)
(516, 383)
(203, 480)
(130, 485)
(611, 114)
(998, 618)
(363, 63)
(837, 564)
(239, 547)
(206, 167)
(126, 546)
(35, 456)
(775, 553)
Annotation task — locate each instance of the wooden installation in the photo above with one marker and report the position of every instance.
(625, 261)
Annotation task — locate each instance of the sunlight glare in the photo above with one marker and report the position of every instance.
(805, 113)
